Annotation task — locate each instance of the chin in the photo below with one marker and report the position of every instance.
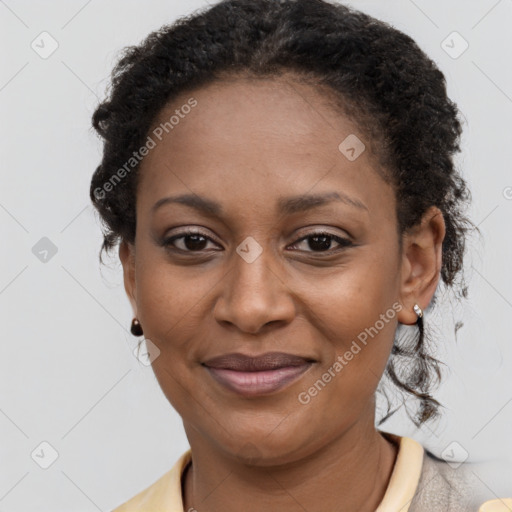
(267, 447)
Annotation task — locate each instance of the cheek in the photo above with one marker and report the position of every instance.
(345, 304)
(171, 300)
(355, 313)
(356, 348)
(171, 303)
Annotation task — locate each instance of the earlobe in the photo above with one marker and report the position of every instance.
(421, 264)
(127, 257)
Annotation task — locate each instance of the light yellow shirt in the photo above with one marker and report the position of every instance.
(164, 495)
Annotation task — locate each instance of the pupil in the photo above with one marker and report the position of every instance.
(323, 245)
(196, 243)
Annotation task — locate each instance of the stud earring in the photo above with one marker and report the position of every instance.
(418, 310)
(136, 328)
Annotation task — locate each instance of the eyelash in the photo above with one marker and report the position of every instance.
(344, 242)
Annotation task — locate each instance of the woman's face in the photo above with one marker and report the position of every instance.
(261, 166)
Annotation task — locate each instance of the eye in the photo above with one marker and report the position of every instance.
(188, 241)
(321, 242)
(195, 241)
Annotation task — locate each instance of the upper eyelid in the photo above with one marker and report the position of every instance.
(313, 231)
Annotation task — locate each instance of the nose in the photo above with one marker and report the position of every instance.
(254, 296)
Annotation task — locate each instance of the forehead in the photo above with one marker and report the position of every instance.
(254, 138)
(252, 113)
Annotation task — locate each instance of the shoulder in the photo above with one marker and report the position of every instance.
(150, 495)
(163, 494)
(445, 487)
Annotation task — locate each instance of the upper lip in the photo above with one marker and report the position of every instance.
(267, 361)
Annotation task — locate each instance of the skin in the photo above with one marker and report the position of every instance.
(246, 144)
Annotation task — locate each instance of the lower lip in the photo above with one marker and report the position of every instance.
(258, 383)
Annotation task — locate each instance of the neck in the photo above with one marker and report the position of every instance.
(352, 472)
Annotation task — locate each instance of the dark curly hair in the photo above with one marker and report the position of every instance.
(377, 75)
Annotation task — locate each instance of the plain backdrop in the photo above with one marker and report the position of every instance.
(68, 375)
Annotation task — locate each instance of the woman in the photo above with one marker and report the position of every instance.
(279, 177)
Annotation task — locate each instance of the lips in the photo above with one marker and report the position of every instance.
(258, 375)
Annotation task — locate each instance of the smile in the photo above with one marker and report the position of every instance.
(252, 376)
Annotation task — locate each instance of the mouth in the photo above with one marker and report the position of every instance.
(253, 376)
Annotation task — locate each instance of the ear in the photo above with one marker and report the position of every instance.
(127, 257)
(422, 258)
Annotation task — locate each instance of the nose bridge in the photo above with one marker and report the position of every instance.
(253, 294)
(252, 275)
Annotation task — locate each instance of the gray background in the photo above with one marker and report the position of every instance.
(68, 375)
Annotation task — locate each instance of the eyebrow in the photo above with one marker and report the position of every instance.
(285, 205)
